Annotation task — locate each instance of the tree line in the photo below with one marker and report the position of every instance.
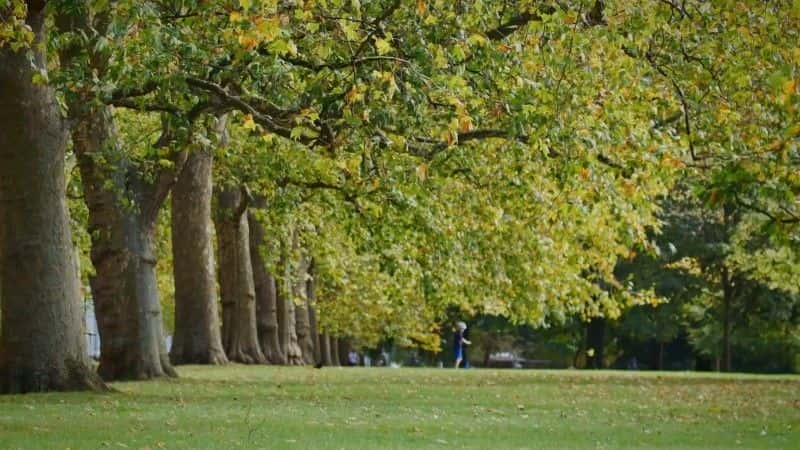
(364, 167)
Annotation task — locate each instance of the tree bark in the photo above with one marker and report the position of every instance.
(312, 318)
(124, 287)
(286, 322)
(727, 295)
(304, 339)
(325, 349)
(42, 346)
(336, 361)
(266, 297)
(312, 315)
(302, 321)
(315, 337)
(239, 333)
(123, 209)
(197, 338)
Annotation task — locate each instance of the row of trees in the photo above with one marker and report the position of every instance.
(414, 157)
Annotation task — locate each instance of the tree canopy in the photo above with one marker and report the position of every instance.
(497, 157)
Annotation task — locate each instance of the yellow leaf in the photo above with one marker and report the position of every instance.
(249, 123)
(454, 124)
(422, 7)
(725, 115)
(477, 39)
(292, 48)
(793, 131)
(354, 95)
(789, 87)
(440, 60)
(245, 4)
(247, 42)
(465, 123)
(383, 46)
(235, 17)
(267, 30)
(449, 137)
(422, 172)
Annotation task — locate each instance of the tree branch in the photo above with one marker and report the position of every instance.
(139, 106)
(343, 64)
(785, 220)
(122, 94)
(515, 23)
(244, 202)
(243, 104)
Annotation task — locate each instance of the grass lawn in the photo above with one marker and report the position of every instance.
(291, 407)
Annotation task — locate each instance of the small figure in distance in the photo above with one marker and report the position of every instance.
(459, 341)
(352, 358)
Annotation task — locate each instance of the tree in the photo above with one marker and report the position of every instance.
(42, 346)
(595, 343)
(197, 337)
(302, 313)
(325, 349)
(266, 295)
(287, 331)
(239, 332)
(122, 225)
(123, 199)
(711, 299)
(312, 316)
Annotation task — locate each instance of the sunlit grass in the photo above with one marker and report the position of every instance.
(291, 407)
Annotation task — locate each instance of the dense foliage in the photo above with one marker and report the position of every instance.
(497, 157)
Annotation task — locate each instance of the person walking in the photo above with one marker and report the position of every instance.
(460, 342)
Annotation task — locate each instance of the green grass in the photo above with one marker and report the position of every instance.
(291, 407)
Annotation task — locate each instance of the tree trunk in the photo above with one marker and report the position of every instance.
(660, 356)
(312, 314)
(727, 294)
(595, 339)
(487, 354)
(312, 318)
(43, 346)
(123, 209)
(335, 352)
(293, 351)
(266, 297)
(125, 291)
(325, 349)
(302, 321)
(304, 338)
(197, 338)
(344, 349)
(286, 322)
(124, 287)
(283, 324)
(315, 338)
(239, 334)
